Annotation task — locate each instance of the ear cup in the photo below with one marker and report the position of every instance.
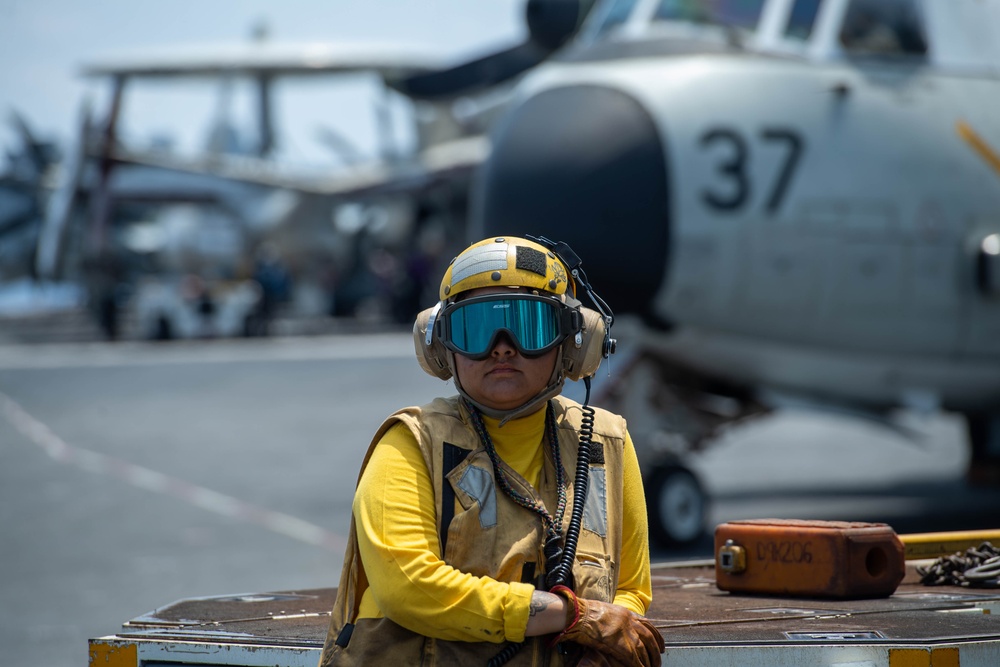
(583, 360)
(432, 356)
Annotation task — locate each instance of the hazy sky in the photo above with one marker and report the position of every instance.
(44, 42)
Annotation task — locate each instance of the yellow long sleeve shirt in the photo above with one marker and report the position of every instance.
(398, 541)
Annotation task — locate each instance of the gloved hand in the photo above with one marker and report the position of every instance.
(620, 635)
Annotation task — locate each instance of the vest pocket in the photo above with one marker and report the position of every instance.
(594, 577)
(377, 641)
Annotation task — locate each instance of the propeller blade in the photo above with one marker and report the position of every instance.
(551, 23)
(483, 72)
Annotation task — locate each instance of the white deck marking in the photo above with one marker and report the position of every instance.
(156, 482)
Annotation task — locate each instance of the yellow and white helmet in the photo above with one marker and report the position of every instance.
(506, 262)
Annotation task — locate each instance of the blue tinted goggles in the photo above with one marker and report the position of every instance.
(534, 324)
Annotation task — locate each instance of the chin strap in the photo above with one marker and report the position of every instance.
(528, 408)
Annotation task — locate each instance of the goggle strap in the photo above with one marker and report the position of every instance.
(429, 335)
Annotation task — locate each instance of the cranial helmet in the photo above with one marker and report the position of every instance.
(506, 262)
(544, 284)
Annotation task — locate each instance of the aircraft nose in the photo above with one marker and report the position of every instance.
(585, 165)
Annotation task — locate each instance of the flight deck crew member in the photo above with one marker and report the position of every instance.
(465, 507)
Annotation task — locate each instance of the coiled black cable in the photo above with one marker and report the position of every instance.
(562, 573)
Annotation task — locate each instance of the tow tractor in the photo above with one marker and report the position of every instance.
(778, 593)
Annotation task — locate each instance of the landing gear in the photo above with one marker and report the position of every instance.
(984, 439)
(672, 412)
(677, 506)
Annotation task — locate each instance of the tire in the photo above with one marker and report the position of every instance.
(677, 506)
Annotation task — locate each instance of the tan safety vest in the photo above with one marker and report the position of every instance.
(485, 533)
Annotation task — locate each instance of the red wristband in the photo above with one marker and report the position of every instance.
(570, 596)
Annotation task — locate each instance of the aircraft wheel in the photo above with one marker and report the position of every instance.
(677, 506)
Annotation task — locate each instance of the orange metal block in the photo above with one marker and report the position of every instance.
(830, 559)
(920, 657)
(112, 654)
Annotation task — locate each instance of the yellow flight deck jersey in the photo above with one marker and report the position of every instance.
(398, 540)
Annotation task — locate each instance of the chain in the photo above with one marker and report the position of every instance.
(978, 567)
(552, 525)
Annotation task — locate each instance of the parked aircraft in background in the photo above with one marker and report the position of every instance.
(158, 216)
(799, 198)
(162, 218)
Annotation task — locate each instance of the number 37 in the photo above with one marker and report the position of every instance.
(733, 166)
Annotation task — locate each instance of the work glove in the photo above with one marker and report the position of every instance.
(610, 631)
